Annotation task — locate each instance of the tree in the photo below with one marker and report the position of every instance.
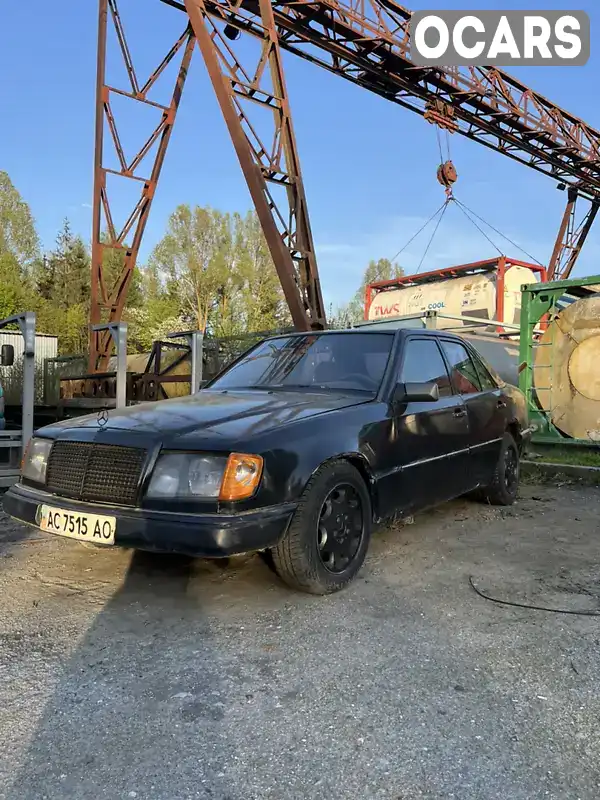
(381, 270)
(261, 302)
(341, 317)
(11, 286)
(195, 255)
(62, 281)
(155, 317)
(113, 261)
(18, 236)
(19, 247)
(220, 270)
(63, 276)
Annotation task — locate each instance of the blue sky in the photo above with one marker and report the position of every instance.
(369, 166)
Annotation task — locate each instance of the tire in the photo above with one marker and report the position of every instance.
(504, 487)
(310, 557)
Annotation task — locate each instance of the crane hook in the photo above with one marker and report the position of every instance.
(447, 175)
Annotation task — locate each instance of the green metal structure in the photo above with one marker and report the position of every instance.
(539, 301)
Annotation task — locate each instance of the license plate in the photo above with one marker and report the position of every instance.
(85, 527)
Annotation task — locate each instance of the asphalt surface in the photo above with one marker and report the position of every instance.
(134, 676)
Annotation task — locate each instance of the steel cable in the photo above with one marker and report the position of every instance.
(514, 244)
(421, 229)
(435, 230)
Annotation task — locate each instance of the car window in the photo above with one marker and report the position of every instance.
(336, 361)
(464, 375)
(485, 377)
(423, 363)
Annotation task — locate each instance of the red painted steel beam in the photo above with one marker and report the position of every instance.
(107, 302)
(367, 42)
(571, 238)
(266, 163)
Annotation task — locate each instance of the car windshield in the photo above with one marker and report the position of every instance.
(330, 361)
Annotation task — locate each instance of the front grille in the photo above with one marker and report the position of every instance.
(99, 472)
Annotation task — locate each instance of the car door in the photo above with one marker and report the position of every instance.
(486, 408)
(428, 441)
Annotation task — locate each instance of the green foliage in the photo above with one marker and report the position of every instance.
(217, 273)
(62, 281)
(381, 270)
(157, 314)
(18, 249)
(113, 261)
(211, 271)
(63, 276)
(18, 236)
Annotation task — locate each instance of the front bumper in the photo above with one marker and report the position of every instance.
(202, 535)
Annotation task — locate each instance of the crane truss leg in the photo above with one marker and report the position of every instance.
(571, 238)
(269, 165)
(108, 242)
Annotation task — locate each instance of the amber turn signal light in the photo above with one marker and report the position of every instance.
(242, 476)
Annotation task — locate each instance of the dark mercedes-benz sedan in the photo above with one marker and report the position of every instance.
(296, 449)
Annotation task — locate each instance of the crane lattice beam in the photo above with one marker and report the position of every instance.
(109, 241)
(365, 41)
(571, 237)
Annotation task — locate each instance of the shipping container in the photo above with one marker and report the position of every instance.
(482, 290)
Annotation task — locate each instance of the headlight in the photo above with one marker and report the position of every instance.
(35, 461)
(194, 476)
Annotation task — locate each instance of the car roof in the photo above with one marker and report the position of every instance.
(371, 332)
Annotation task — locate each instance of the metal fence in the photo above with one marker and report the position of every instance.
(57, 368)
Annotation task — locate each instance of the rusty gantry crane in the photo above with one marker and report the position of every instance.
(365, 41)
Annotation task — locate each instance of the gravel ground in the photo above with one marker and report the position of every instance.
(134, 676)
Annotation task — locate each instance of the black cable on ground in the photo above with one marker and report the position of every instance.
(529, 607)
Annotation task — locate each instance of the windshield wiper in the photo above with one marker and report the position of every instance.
(318, 387)
(295, 386)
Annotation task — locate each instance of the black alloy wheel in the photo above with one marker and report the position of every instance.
(511, 469)
(340, 528)
(504, 487)
(327, 539)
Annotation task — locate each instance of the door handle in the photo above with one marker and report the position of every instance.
(460, 412)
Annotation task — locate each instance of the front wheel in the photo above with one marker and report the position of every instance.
(327, 540)
(503, 489)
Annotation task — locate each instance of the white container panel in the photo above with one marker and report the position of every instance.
(12, 377)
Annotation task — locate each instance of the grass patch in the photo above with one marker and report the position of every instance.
(567, 455)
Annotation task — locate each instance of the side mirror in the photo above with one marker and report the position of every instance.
(416, 392)
(7, 355)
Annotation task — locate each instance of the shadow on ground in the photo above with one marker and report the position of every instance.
(137, 710)
(166, 679)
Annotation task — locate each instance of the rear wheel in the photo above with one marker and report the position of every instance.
(327, 540)
(503, 489)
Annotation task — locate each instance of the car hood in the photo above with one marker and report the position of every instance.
(220, 416)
